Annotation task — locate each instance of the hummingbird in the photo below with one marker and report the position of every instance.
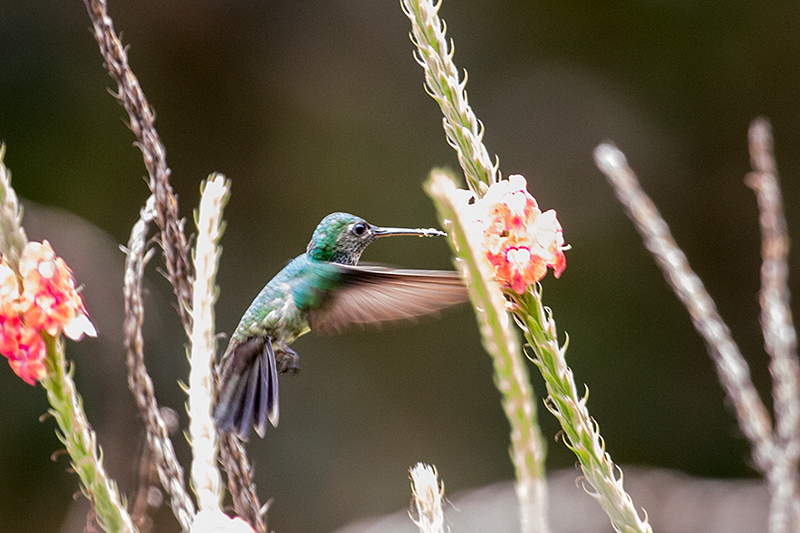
(323, 290)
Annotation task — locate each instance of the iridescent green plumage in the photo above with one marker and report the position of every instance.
(323, 290)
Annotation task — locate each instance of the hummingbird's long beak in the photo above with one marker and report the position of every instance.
(421, 232)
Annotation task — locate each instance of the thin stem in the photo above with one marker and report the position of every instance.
(732, 369)
(780, 337)
(170, 471)
(142, 123)
(731, 366)
(162, 207)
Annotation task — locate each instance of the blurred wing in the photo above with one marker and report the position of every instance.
(373, 294)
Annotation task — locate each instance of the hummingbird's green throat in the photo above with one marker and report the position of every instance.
(322, 290)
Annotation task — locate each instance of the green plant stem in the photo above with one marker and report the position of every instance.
(582, 432)
(463, 129)
(81, 442)
(510, 373)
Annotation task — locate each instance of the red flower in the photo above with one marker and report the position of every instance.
(519, 240)
(49, 302)
(29, 365)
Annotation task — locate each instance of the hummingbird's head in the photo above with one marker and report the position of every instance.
(342, 237)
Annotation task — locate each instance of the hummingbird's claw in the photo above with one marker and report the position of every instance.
(288, 361)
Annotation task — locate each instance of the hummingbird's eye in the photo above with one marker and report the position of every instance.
(358, 229)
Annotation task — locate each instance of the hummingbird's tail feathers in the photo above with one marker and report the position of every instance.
(372, 294)
(249, 394)
(266, 394)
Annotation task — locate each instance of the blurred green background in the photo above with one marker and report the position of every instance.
(314, 107)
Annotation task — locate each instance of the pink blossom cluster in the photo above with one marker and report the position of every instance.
(42, 299)
(519, 241)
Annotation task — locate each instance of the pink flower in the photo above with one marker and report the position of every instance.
(519, 241)
(10, 321)
(22, 345)
(509, 205)
(10, 328)
(48, 302)
(516, 264)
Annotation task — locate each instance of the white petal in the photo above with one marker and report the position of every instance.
(80, 326)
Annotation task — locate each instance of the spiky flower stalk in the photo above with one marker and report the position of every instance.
(161, 207)
(464, 133)
(774, 450)
(732, 369)
(81, 442)
(519, 243)
(12, 236)
(426, 499)
(170, 471)
(206, 480)
(569, 407)
(501, 341)
(442, 82)
(780, 337)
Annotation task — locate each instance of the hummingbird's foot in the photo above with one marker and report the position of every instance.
(288, 361)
